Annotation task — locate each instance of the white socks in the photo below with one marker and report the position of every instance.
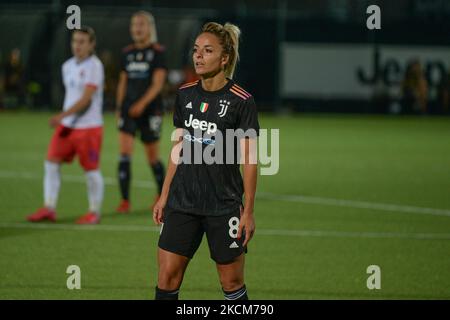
(95, 188)
(52, 182)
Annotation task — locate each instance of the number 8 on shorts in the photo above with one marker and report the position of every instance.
(233, 223)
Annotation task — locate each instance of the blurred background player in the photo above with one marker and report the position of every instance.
(444, 94)
(139, 102)
(14, 84)
(207, 198)
(78, 128)
(415, 89)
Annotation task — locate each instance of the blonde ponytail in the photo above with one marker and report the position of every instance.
(228, 35)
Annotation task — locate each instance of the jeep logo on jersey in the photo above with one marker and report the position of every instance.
(209, 127)
(138, 66)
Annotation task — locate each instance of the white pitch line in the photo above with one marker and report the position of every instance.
(355, 204)
(264, 195)
(265, 232)
(74, 227)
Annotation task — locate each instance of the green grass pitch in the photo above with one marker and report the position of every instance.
(352, 191)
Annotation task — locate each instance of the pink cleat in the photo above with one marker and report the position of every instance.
(88, 218)
(124, 207)
(42, 214)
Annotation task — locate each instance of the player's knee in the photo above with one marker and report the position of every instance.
(90, 167)
(53, 160)
(152, 151)
(153, 157)
(126, 148)
(169, 279)
(231, 283)
(153, 161)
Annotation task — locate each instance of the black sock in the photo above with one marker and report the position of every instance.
(165, 294)
(124, 176)
(158, 172)
(239, 294)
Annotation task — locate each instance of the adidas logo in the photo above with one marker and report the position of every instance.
(189, 105)
(234, 245)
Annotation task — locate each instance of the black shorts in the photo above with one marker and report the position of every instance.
(182, 233)
(148, 125)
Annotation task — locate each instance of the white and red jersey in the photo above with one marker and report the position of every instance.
(76, 76)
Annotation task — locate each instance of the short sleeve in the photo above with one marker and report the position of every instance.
(159, 61)
(63, 73)
(95, 75)
(123, 62)
(248, 116)
(177, 114)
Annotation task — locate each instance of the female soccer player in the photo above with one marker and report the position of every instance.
(207, 198)
(78, 128)
(139, 103)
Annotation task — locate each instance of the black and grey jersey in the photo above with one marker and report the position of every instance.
(211, 188)
(139, 65)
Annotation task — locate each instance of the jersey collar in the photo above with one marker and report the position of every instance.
(222, 90)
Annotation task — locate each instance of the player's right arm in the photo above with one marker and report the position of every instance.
(158, 209)
(121, 90)
(81, 104)
(177, 138)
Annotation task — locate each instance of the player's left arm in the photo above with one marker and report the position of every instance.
(248, 122)
(78, 106)
(158, 80)
(249, 170)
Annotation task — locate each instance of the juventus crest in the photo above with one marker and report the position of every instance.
(224, 104)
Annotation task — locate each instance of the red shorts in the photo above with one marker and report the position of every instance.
(86, 143)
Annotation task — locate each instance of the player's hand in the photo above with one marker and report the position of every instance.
(247, 224)
(136, 109)
(158, 211)
(55, 120)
